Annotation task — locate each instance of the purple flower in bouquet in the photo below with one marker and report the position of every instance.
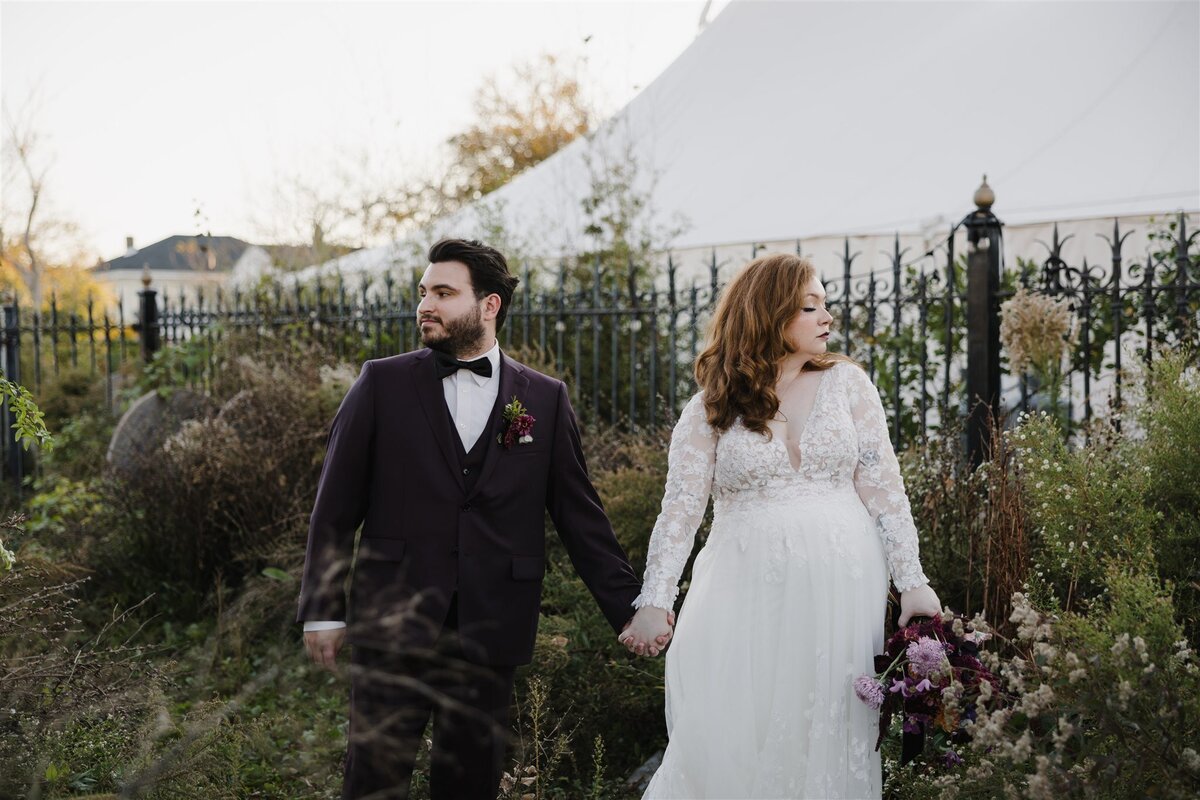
(951, 759)
(927, 656)
(910, 688)
(869, 691)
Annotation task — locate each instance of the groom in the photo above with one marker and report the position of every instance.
(449, 457)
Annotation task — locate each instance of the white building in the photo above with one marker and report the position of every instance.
(806, 122)
(190, 267)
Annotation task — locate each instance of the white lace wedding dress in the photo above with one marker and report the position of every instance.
(787, 599)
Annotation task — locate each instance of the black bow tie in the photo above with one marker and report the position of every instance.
(448, 365)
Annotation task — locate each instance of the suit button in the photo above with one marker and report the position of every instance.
(467, 471)
(466, 508)
(454, 552)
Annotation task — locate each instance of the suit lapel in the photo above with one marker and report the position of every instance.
(513, 382)
(433, 403)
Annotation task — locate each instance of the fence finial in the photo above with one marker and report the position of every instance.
(146, 275)
(984, 196)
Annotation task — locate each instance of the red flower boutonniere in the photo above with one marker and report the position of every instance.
(518, 425)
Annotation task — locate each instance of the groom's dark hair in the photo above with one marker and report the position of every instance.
(489, 270)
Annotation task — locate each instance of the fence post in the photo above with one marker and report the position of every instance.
(12, 371)
(983, 322)
(148, 318)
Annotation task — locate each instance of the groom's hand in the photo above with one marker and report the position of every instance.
(323, 647)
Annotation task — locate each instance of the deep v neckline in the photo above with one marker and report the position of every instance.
(808, 422)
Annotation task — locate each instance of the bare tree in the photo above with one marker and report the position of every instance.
(31, 235)
(360, 197)
(354, 199)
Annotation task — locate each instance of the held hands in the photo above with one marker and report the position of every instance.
(323, 647)
(919, 602)
(648, 632)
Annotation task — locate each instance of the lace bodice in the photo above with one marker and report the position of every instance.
(844, 446)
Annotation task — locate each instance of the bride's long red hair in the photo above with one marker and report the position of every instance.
(746, 341)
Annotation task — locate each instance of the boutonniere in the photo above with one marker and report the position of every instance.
(519, 425)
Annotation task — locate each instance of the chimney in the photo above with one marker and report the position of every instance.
(129, 248)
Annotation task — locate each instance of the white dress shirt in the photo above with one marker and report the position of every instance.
(470, 398)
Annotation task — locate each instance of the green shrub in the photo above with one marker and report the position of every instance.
(69, 692)
(208, 506)
(1087, 510)
(81, 446)
(61, 511)
(632, 491)
(1105, 705)
(70, 393)
(1170, 417)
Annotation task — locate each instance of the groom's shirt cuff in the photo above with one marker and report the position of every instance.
(322, 625)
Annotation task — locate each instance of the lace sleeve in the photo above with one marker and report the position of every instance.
(877, 479)
(690, 463)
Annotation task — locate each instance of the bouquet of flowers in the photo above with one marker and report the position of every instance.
(930, 673)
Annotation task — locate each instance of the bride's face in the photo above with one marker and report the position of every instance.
(808, 333)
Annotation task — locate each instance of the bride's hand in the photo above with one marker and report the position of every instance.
(649, 631)
(919, 602)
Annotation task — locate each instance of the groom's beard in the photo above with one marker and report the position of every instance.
(460, 336)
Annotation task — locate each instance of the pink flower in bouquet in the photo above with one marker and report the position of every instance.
(869, 691)
(927, 656)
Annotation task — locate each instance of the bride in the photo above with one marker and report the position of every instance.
(788, 595)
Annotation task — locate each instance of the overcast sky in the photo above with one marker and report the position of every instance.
(152, 110)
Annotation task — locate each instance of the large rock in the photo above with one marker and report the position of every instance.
(149, 421)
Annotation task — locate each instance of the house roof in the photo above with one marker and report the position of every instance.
(183, 253)
(302, 255)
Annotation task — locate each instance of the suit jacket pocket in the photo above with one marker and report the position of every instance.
(528, 568)
(376, 548)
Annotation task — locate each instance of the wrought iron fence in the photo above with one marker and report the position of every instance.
(625, 339)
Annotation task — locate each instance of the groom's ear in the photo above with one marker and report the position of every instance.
(491, 306)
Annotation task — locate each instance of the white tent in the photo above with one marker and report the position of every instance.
(794, 121)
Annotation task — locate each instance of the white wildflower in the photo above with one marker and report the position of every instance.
(1022, 748)
(1035, 702)
(1064, 733)
(1121, 645)
(1045, 650)
(1038, 785)
(1124, 694)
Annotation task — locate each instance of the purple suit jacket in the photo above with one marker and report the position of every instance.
(392, 466)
